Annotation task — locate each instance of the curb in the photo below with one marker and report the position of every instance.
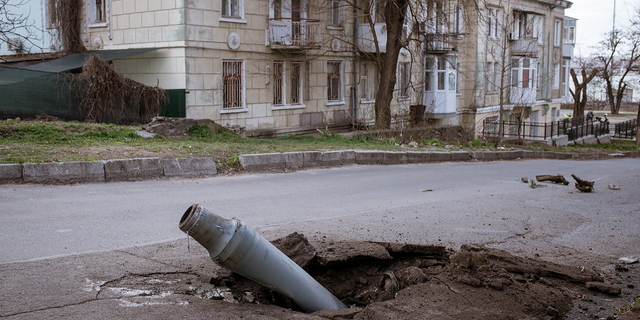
(313, 159)
(155, 168)
(102, 171)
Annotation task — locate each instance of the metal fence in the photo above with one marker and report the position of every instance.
(573, 128)
(626, 130)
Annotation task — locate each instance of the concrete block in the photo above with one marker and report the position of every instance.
(440, 156)
(527, 154)
(590, 140)
(418, 156)
(369, 157)
(604, 139)
(132, 169)
(189, 167)
(460, 156)
(585, 156)
(64, 172)
(10, 172)
(293, 160)
(505, 155)
(543, 155)
(391, 157)
(312, 159)
(338, 158)
(561, 155)
(262, 162)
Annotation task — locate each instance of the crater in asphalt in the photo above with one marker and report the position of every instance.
(392, 280)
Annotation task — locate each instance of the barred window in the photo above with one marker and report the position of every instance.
(232, 89)
(365, 88)
(295, 84)
(334, 14)
(231, 8)
(278, 83)
(333, 81)
(98, 11)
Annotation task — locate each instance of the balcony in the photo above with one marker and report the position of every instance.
(525, 47)
(366, 40)
(567, 50)
(439, 43)
(522, 96)
(294, 34)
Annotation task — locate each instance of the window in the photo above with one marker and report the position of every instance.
(557, 32)
(444, 73)
(334, 93)
(539, 77)
(365, 87)
(232, 91)
(569, 32)
(523, 73)
(52, 18)
(295, 83)
(98, 11)
(490, 75)
(232, 9)
(556, 76)
(494, 23)
(278, 83)
(519, 25)
(334, 14)
(538, 28)
(370, 9)
(405, 73)
(459, 20)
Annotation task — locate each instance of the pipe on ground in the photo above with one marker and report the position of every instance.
(234, 245)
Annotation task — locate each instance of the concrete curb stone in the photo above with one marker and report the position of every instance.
(293, 160)
(189, 166)
(10, 172)
(527, 154)
(392, 157)
(437, 156)
(369, 157)
(460, 155)
(312, 159)
(63, 172)
(132, 169)
(262, 161)
(338, 158)
(418, 156)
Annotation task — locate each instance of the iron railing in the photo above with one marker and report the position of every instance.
(294, 33)
(626, 130)
(573, 128)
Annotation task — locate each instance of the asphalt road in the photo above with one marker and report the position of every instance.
(445, 203)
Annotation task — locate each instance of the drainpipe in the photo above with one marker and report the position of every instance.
(234, 245)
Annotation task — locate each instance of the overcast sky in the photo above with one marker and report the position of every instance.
(595, 17)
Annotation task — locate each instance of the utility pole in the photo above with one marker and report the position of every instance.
(614, 16)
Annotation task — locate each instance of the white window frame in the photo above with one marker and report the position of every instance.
(557, 32)
(96, 9)
(494, 24)
(565, 78)
(459, 19)
(333, 22)
(365, 82)
(538, 28)
(518, 70)
(239, 18)
(569, 34)
(339, 97)
(239, 105)
(490, 76)
(404, 75)
(438, 77)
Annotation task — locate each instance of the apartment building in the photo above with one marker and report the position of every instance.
(286, 66)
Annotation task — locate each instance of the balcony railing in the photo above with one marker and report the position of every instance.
(522, 96)
(526, 47)
(294, 33)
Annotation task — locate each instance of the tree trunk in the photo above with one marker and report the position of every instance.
(394, 15)
(557, 179)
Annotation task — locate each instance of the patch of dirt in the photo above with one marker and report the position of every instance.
(397, 281)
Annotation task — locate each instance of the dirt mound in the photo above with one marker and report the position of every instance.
(399, 281)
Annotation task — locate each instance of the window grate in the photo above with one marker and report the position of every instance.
(295, 83)
(333, 81)
(278, 83)
(232, 78)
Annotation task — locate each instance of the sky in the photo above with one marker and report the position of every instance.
(595, 17)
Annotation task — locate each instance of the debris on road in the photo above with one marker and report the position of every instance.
(555, 179)
(534, 185)
(613, 187)
(524, 179)
(583, 185)
(628, 260)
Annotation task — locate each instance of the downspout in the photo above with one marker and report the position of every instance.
(354, 114)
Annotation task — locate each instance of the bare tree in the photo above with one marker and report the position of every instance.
(15, 28)
(620, 53)
(588, 72)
